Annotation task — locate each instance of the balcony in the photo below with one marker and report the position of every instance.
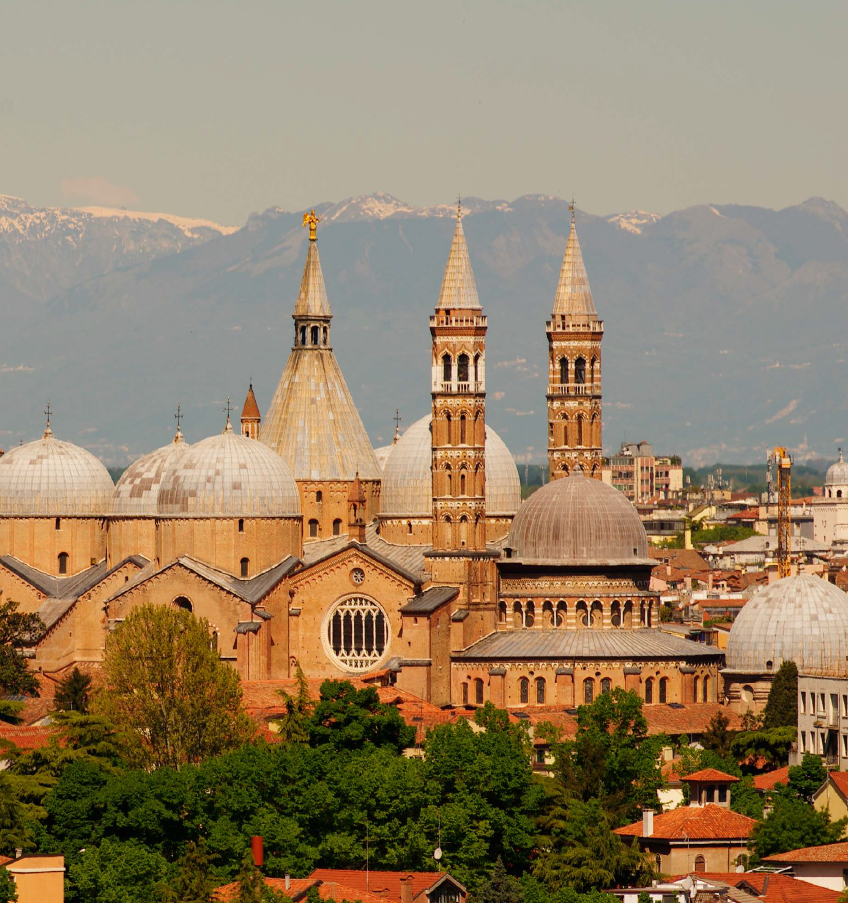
(469, 388)
(575, 390)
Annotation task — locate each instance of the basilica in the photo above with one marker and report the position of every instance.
(417, 564)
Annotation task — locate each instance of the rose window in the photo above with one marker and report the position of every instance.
(357, 633)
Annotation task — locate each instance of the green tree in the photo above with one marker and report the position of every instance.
(166, 688)
(115, 872)
(717, 736)
(14, 829)
(73, 694)
(352, 719)
(782, 706)
(537, 892)
(805, 779)
(770, 745)
(293, 724)
(16, 630)
(790, 825)
(8, 891)
(194, 882)
(499, 887)
(251, 885)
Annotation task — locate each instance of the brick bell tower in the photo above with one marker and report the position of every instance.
(574, 371)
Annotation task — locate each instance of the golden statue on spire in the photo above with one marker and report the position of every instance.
(311, 219)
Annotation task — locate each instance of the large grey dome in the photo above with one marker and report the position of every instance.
(576, 520)
(803, 619)
(137, 492)
(229, 476)
(407, 488)
(837, 474)
(52, 478)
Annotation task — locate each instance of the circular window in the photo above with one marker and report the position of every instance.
(357, 575)
(356, 633)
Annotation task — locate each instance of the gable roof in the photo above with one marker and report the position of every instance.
(317, 552)
(385, 885)
(774, 888)
(770, 779)
(430, 600)
(708, 822)
(828, 852)
(711, 774)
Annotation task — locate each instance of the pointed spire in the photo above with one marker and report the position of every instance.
(459, 289)
(312, 299)
(229, 427)
(573, 294)
(250, 411)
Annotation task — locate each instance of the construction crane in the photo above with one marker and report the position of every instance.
(783, 469)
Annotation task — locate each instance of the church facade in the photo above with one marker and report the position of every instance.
(418, 564)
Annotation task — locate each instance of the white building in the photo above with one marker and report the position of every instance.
(830, 512)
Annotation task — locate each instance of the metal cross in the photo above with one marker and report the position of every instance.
(228, 409)
(397, 418)
(48, 412)
(459, 206)
(179, 416)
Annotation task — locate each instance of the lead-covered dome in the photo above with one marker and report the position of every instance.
(576, 520)
(407, 488)
(803, 619)
(229, 476)
(137, 492)
(52, 478)
(837, 474)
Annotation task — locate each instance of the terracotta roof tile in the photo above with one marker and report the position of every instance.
(708, 822)
(250, 411)
(297, 887)
(25, 737)
(769, 779)
(711, 774)
(383, 885)
(840, 779)
(830, 852)
(773, 888)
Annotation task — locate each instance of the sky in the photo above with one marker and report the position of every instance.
(217, 109)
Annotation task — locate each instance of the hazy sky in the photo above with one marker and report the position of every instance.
(216, 109)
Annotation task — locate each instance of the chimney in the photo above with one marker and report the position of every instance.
(288, 881)
(257, 850)
(647, 823)
(18, 853)
(406, 889)
(687, 535)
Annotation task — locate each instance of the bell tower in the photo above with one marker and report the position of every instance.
(574, 371)
(458, 330)
(251, 419)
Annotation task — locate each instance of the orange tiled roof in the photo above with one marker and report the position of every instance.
(250, 411)
(711, 774)
(840, 779)
(297, 887)
(773, 888)
(769, 779)
(708, 822)
(383, 885)
(25, 737)
(828, 852)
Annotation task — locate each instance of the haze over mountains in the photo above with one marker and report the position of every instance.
(725, 326)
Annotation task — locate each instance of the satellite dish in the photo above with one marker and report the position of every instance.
(437, 854)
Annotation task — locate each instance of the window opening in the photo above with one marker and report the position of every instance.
(337, 527)
(245, 567)
(63, 563)
(313, 527)
(524, 690)
(358, 633)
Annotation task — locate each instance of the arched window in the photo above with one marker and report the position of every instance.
(706, 689)
(615, 614)
(448, 531)
(663, 690)
(358, 633)
(593, 369)
(628, 614)
(580, 371)
(325, 336)
(319, 496)
(582, 612)
(463, 530)
(606, 686)
(462, 368)
(502, 612)
(315, 334)
(588, 691)
(540, 691)
(477, 374)
(597, 615)
(184, 603)
(524, 691)
(462, 433)
(839, 493)
(462, 482)
(449, 479)
(58, 523)
(530, 614)
(700, 865)
(464, 693)
(241, 525)
(63, 563)
(517, 614)
(649, 690)
(409, 527)
(245, 567)
(337, 527)
(478, 691)
(213, 640)
(561, 611)
(547, 613)
(447, 368)
(579, 429)
(313, 528)
(697, 687)
(563, 371)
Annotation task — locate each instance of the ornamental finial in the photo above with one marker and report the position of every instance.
(311, 219)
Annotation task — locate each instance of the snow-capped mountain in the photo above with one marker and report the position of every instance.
(634, 221)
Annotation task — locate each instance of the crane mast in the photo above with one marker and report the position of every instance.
(783, 469)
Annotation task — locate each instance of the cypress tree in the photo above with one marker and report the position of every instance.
(782, 707)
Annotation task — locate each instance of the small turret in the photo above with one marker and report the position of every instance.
(356, 510)
(251, 419)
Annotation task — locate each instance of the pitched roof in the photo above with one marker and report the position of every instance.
(711, 774)
(385, 885)
(25, 737)
(430, 600)
(573, 295)
(459, 290)
(708, 822)
(828, 852)
(770, 779)
(773, 888)
(250, 411)
(840, 780)
(297, 887)
(312, 298)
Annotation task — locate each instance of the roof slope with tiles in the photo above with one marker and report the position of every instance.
(708, 822)
(770, 779)
(712, 775)
(459, 290)
(573, 295)
(772, 888)
(386, 885)
(137, 491)
(828, 852)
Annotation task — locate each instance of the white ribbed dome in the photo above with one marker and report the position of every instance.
(577, 520)
(229, 476)
(382, 454)
(407, 488)
(137, 492)
(837, 474)
(52, 478)
(803, 619)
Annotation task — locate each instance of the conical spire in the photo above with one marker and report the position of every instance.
(250, 411)
(312, 300)
(573, 294)
(458, 287)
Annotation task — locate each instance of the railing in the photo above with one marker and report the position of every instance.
(580, 389)
(462, 388)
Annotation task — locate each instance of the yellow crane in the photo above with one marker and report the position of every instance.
(783, 468)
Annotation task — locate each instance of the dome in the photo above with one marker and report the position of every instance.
(382, 454)
(52, 478)
(229, 476)
(837, 474)
(577, 520)
(407, 488)
(803, 619)
(137, 492)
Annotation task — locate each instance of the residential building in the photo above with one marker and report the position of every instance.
(38, 879)
(643, 476)
(823, 866)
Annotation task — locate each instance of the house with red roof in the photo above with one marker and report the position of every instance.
(833, 795)
(824, 866)
(704, 836)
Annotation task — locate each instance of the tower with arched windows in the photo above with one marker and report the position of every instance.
(574, 370)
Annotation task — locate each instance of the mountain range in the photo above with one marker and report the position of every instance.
(725, 325)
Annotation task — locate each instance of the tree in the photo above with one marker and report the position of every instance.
(352, 719)
(782, 706)
(14, 830)
(74, 692)
(805, 779)
(252, 887)
(16, 630)
(790, 825)
(8, 891)
(166, 688)
(293, 724)
(194, 882)
(770, 745)
(115, 872)
(717, 737)
(499, 887)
